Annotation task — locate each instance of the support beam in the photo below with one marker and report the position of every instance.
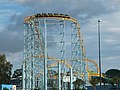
(71, 79)
(59, 76)
(45, 58)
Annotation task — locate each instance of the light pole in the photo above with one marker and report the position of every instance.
(99, 46)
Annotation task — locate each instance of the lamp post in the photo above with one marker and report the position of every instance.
(99, 54)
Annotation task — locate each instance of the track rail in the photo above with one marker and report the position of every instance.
(51, 15)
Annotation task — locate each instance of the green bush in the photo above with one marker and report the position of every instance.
(54, 88)
(37, 89)
(83, 89)
(5, 88)
(79, 89)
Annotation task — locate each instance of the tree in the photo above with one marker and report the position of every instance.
(94, 82)
(5, 70)
(78, 83)
(114, 81)
(17, 73)
(113, 76)
(37, 89)
(5, 88)
(112, 73)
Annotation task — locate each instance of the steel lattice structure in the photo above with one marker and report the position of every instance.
(54, 52)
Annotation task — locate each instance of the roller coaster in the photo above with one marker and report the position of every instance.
(54, 53)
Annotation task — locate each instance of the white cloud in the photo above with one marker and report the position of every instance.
(112, 62)
(110, 34)
(110, 41)
(85, 11)
(83, 15)
(114, 30)
(16, 59)
(6, 13)
(21, 1)
(2, 26)
(29, 1)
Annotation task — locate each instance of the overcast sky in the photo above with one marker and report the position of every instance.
(87, 12)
